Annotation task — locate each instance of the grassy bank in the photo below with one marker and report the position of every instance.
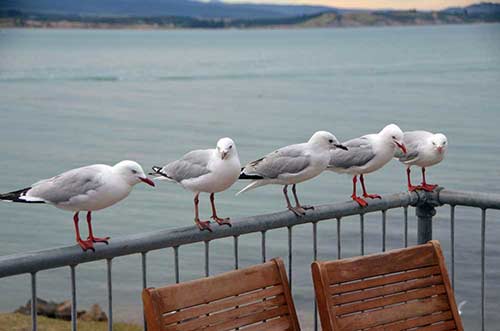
(18, 322)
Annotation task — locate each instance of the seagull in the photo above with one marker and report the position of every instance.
(207, 170)
(89, 188)
(367, 154)
(291, 165)
(425, 149)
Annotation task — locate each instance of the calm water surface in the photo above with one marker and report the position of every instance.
(71, 98)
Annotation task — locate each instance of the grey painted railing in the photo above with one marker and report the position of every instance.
(424, 202)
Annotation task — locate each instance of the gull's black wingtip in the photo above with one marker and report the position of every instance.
(245, 176)
(15, 196)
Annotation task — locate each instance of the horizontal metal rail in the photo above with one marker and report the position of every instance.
(425, 203)
(143, 242)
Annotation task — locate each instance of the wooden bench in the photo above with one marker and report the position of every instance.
(257, 298)
(397, 290)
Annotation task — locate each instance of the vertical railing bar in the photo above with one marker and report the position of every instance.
(176, 264)
(362, 230)
(110, 296)
(207, 258)
(74, 315)
(290, 256)
(384, 229)
(405, 213)
(339, 240)
(483, 253)
(236, 257)
(452, 242)
(34, 325)
(144, 283)
(315, 257)
(263, 246)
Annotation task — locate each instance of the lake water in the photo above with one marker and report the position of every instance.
(71, 98)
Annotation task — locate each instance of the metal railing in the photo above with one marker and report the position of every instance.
(424, 202)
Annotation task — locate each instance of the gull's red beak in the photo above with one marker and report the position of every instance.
(223, 155)
(147, 181)
(440, 149)
(401, 146)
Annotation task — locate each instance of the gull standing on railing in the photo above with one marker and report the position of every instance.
(207, 170)
(424, 149)
(89, 188)
(291, 165)
(367, 154)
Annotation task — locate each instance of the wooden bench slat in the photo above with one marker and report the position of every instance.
(227, 316)
(278, 324)
(222, 304)
(390, 300)
(446, 326)
(392, 314)
(415, 322)
(200, 291)
(376, 264)
(387, 290)
(394, 278)
(251, 319)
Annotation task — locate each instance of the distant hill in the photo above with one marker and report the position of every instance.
(158, 8)
(483, 8)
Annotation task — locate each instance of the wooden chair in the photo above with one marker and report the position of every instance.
(256, 298)
(397, 290)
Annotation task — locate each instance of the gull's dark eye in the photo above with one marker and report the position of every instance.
(393, 137)
(230, 146)
(134, 171)
(330, 141)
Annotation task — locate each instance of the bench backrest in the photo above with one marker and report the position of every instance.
(396, 290)
(257, 297)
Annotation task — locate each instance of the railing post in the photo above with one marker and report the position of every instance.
(425, 210)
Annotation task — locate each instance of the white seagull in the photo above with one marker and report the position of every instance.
(208, 170)
(367, 154)
(291, 165)
(424, 149)
(89, 188)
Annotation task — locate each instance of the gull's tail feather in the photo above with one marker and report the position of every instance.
(20, 196)
(251, 186)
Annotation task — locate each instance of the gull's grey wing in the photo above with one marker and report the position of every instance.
(412, 140)
(67, 185)
(359, 153)
(193, 164)
(287, 160)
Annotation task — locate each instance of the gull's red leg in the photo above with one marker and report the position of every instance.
(220, 221)
(301, 208)
(425, 186)
(354, 196)
(84, 244)
(202, 225)
(411, 188)
(296, 211)
(365, 194)
(91, 234)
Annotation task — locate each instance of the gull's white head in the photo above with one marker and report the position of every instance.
(394, 135)
(132, 173)
(226, 148)
(326, 140)
(439, 143)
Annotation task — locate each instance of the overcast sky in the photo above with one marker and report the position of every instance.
(375, 4)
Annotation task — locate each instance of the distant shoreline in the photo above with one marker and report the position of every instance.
(117, 27)
(331, 19)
